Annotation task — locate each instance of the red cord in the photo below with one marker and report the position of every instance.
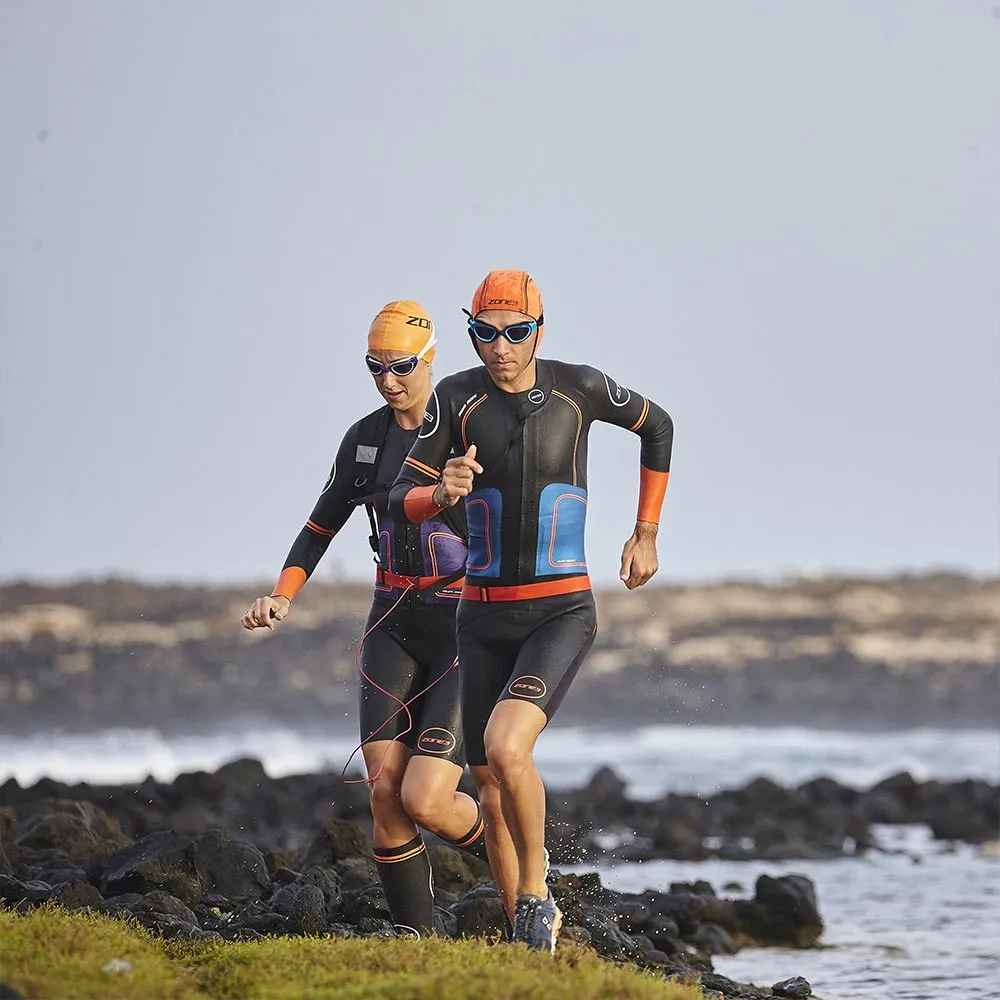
(404, 706)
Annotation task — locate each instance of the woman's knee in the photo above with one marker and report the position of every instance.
(488, 793)
(386, 797)
(424, 805)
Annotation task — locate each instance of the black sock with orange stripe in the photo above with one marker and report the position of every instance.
(405, 873)
(474, 842)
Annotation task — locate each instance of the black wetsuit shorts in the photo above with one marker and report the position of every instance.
(413, 647)
(528, 650)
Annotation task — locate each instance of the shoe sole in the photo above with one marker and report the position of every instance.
(556, 928)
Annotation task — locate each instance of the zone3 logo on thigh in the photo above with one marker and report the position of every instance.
(527, 686)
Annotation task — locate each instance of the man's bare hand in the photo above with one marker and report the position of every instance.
(265, 611)
(639, 559)
(456, 479)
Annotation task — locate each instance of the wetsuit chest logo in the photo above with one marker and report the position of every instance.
(536, 396)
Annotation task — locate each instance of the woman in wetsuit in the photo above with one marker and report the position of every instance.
(414, 756)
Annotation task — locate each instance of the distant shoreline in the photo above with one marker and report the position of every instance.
(825, 654)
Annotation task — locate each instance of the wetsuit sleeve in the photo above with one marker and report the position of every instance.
(615, 404)
(410, 495)
(328, 516)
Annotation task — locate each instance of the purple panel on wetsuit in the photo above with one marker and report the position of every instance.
(386, 532)
(443, 551)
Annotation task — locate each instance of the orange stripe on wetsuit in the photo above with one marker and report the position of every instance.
(420, 467)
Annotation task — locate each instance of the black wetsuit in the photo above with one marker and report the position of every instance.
(527, 618)
(415, 644)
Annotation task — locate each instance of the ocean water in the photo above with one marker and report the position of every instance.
(919, 921)
(652, 759)
(920, 925)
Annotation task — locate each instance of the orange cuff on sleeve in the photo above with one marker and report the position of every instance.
(652, 489)
(291, 581)
(418, 505)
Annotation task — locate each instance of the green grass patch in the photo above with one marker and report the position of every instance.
(49, 953)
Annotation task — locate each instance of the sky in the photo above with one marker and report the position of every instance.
(779, 220)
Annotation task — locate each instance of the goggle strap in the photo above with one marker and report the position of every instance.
(430, 343)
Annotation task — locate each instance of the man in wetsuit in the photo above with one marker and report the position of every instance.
(414, 757)
(519, 426)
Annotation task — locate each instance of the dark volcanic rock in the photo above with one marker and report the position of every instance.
(166, 914)
(456, 871)
(356, 873)
(77, 895)
(77, 830)
(338, 841)
(966, 810)
(164, 861)
(714, 940)
(794, 987)
(303, 906)
(479, 913)
(329, 885)
(783, 911)
(364, 904)
(605, 792)
(817, 820)
(231, 869)
(6, 866)
(243, 774)
(14, 891)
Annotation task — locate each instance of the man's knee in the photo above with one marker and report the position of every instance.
(508, 754)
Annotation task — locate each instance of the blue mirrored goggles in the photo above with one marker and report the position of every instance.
(516, 333)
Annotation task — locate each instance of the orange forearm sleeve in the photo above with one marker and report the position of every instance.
(418, 504)
(290, 582)
(652, 489)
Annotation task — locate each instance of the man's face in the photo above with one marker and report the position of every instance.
(504, 360)
(402, 392)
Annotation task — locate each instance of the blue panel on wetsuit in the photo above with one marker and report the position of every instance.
(483, 509)
(562, 516)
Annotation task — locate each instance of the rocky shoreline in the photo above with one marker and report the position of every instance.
(236, 855)
(818, 820)
(902, 652)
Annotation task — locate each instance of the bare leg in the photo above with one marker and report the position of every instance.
(431, 799)
(503, 857)
(392, 826)
(510, 740)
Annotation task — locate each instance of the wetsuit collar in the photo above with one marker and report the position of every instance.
(532, 398)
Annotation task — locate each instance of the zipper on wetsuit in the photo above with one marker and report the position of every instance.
(529, 503)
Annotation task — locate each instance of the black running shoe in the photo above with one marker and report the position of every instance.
(537, 922)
